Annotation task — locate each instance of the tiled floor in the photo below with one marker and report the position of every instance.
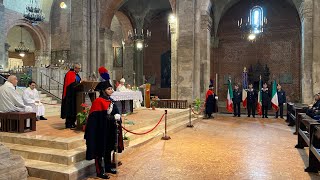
(220, 148)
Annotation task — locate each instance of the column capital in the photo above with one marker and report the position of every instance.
(206, 21)
(106, 32)
(306, 9)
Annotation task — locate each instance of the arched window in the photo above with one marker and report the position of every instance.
(256, 19)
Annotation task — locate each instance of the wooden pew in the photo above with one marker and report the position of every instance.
(314, 151)
(293, 110)
(305, 132)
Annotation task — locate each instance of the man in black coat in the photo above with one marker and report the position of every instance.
(236, 100)
(281, 100)
(252, 97)
(266, 100)
(312, 111)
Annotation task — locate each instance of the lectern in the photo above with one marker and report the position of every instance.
(85, 93)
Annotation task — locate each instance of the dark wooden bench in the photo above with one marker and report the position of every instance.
(16, 121)
(175, 104)
(314, 151)
(305, 131)
(293, 111)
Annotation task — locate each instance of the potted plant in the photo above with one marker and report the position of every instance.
(197, 105)
(83, 116)
(154, 102)
(126, 140)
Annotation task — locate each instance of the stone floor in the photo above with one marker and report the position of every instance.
(220, 148)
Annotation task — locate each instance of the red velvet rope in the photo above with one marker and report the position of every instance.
(146, 131)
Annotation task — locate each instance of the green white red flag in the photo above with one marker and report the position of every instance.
(274, 97)
(229, 97)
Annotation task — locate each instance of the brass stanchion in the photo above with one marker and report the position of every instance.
(190, 125)
(165, 137)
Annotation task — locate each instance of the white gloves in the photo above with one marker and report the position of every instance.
(284, 103)
(216, 97)
(117, 117)
(110, 108)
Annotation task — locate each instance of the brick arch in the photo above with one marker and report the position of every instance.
(109, 8)
(36, 32)
(222, 6)
(125, 23)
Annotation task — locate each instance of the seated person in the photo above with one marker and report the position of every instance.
(10, 99)
(121, 87)
(312, 110)
(31, 98)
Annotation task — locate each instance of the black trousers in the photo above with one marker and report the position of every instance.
(264, 111)
(236, 109)
(70, 121)
(251, 109)
(103, 163)
(281, 111)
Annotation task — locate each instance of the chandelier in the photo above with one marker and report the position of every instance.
(140, 38)
(21, 49)
(33, 12)
(253, 25)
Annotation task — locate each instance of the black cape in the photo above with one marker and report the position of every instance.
(100, 133)
(211, 102)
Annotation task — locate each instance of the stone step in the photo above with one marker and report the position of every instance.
(4, 152)
(66, 157)
(152, 122)
(170, 130)
(53, 171)
(43, 141)
(160, 128)
(43, 95)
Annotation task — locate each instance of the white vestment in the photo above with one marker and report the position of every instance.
(11, 100)
(121, 88)
(30, 97)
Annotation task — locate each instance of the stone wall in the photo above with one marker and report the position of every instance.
(279, 48)
(158, 45)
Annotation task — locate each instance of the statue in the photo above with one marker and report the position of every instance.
(245, 78)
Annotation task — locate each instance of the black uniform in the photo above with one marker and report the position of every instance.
(266, 100)
(237, 99)
(281, 100)
(252, 97)
(312, 111)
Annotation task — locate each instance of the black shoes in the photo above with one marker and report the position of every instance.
(43, 118)
(111, 170)
(71, 126)
(103, 176)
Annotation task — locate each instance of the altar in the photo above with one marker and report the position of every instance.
(125, 100)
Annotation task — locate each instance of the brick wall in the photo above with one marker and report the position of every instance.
(279, 48)
(159, 44)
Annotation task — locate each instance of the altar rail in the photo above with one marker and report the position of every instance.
(174, 104)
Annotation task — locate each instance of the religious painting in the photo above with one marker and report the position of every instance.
(166, 70)
(118, 57)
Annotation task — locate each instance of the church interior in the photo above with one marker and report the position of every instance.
(207, 89)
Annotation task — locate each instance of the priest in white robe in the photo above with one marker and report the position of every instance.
(31, 98)
(10, 99)
(121, 87)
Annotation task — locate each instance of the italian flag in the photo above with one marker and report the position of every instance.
(229, 97)
(259, 104)
(244, 98)
(274, 100)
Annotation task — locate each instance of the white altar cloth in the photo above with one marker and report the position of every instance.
(127, 95)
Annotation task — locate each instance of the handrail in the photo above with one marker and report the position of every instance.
(3, 77)
(49, 85)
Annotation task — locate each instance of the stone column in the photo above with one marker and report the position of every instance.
(6, 56)
(106, 51)
(93, 26)
(2, 37)
(174, 62)
(185, 50)
(138, 65)
(316, 47)
(205, 43)
(79, 34)
(128, 64)
(306, 11)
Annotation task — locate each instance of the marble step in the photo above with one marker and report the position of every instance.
(13, 167)
(4, 152)
(53, 171)
(66, 157)
(43, 141)
(152, 122)
(170, 130)
(161, 127)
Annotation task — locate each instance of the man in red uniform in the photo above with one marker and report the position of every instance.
(68, 105)
(211, 103)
